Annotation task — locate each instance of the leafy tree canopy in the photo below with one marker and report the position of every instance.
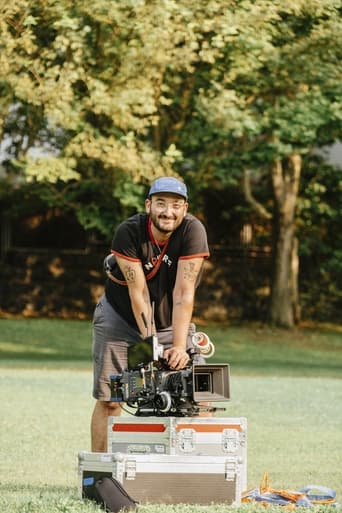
(121, 92)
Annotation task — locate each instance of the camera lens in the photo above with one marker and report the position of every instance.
(203, 382)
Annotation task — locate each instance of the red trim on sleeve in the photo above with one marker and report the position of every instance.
(125, 257)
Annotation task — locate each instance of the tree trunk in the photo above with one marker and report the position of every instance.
(294, 281)
(284, 309)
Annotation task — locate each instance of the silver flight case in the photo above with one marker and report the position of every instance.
(183, 436)
(165, 478)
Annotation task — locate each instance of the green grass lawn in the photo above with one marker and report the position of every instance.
(52, 343)
(286, 384)
(250, 349)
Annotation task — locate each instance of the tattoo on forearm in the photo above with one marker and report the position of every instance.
(190, 272)
(129, 274)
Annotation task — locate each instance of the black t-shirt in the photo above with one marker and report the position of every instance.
(133, 241)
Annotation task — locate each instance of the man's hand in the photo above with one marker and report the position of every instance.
(176, 357)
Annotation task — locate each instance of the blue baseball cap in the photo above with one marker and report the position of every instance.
(169, 184)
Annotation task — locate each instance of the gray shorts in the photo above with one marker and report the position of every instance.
(111, 338)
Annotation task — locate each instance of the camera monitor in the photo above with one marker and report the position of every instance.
(143, 352)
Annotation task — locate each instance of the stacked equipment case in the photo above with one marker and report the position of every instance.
(171, 460)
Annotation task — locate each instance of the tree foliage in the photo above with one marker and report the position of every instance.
(99, 98)
(82, 86)
(272, 99)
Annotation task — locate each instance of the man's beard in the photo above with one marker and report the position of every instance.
(156, 222)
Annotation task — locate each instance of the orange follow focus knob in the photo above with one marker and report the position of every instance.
(202, 342)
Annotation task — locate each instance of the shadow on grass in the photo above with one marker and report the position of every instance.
(45, 340)
(328, 369)
(249, 349)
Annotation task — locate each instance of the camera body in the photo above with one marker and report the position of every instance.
(152, 388)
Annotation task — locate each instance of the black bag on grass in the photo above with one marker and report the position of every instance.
(112, 496)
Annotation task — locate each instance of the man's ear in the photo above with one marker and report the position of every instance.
(147, 205)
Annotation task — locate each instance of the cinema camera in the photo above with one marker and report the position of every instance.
(152, 388)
